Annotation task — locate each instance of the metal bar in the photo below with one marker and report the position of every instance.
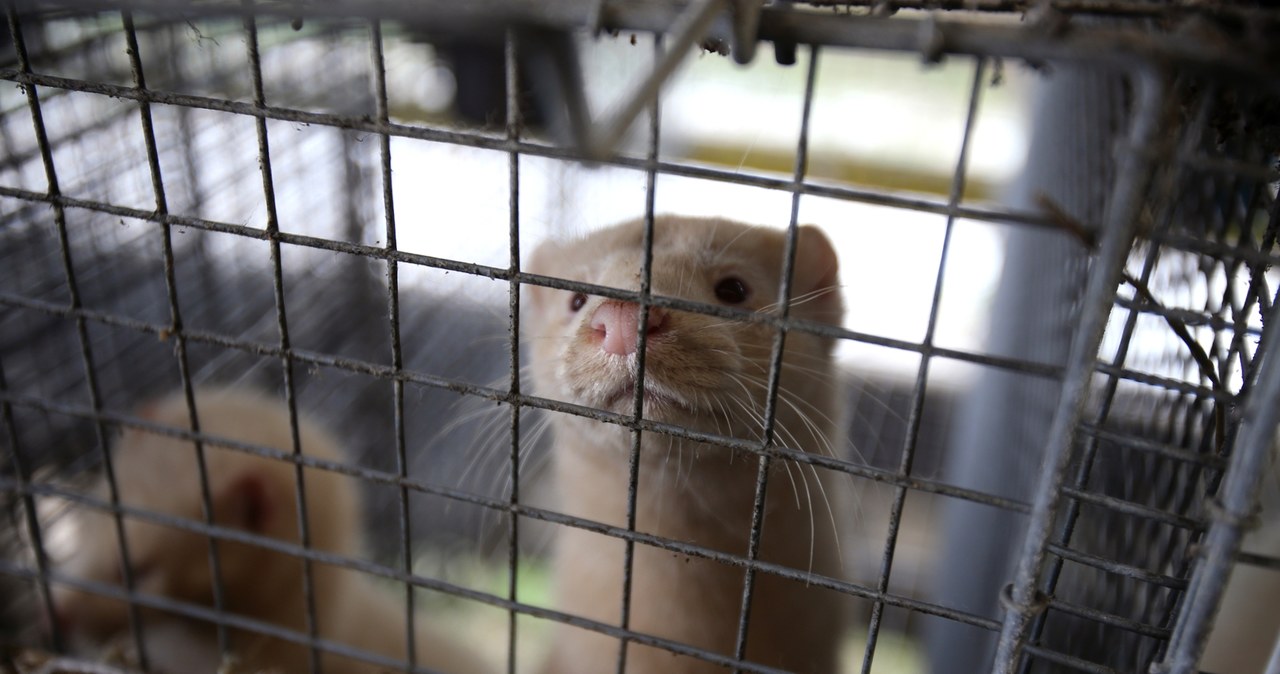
(1069, 661)
(175, 320)
(642, 342)
(916, 406)
(553, 517)
(1166, 383)
(393, 325)
(1211, 479)
(1114, 8)
(1164, 184)
(1217, 250)
(491, 142)
(808, 458)
(766, 445)
(1261, 561)
(225, 620)
(203, 613)
(1118, 568)
(498, 395)
(497, 273)
(1191, 318)
(1137, 510)
(1113, 47)
(30, 518)
(514, 122)
(1231, 516)
(746, 25)
(1105, 618)
(272, 232)
(1022, 599)
(1164, 451)
(82, 331)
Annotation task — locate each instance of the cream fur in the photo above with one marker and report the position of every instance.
(689, 491)
(159, 473)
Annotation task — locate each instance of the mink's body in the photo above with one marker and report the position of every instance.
(708, 374)
(158, 474)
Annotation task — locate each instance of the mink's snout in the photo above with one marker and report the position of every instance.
(616, 324)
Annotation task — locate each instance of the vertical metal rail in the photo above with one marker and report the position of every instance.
(1162, 197)
(998, 434)
(642, 342)
(393, 320)
(922, 374)
(82, 331)
(282, 325)
(175, 322)
(22, 476)
(1235, 510)
(775, 364)
(512, 73)
(31, 520)
(1022, 599)
(1273, 663)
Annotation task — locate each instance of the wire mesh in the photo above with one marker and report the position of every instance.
(224, 218)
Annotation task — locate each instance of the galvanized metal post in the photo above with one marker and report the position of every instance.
(1022, 599)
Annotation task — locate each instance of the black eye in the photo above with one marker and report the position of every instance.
(576, 302)
(732, 290)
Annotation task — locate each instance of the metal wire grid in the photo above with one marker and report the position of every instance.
(1024, 607)
(1151, 555)
(122, 289)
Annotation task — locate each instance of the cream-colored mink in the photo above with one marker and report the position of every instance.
(158, 473)
(709, 374)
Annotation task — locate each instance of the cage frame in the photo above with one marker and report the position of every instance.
(1154, 57)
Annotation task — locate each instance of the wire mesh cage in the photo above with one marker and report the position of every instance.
(231, 230)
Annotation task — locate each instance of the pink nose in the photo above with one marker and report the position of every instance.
(617, 324)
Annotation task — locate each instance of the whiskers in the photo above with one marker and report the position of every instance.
(800, 424)
(802, 299)
(751, 406)
(483, 432)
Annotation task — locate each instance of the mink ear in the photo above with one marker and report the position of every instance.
(817, 276)
(244, 503)
(816, 264)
